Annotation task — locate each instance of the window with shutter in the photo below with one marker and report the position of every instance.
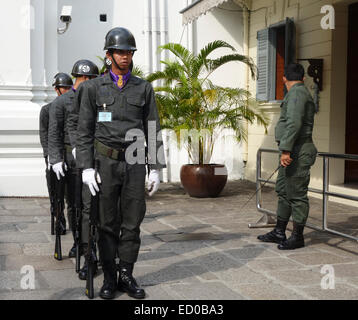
(262, 87)
(276, 47)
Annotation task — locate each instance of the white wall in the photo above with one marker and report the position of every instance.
(24, 62)
(34, 53)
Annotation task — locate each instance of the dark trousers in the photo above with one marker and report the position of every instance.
(70, 185)
(86, 207)
(121, 209)
(292, 184)
(50, 177)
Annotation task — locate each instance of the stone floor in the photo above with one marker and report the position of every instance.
(191, 249)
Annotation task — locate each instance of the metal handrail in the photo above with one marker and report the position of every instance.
(267, 219)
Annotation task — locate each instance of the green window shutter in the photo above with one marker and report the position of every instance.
(262, 85)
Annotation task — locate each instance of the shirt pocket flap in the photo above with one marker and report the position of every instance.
(136, 100)
(101, 100)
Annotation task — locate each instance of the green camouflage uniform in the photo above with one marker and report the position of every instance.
(293, 133)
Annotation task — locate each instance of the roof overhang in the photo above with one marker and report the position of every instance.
(199, 7)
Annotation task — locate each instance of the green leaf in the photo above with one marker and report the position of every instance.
(188, 100)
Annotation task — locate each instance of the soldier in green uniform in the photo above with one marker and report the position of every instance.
(117, 115)
(61, 153)
(293, 134)
(62, 82)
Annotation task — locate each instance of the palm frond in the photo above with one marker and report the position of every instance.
(188, 100)
(212, 65)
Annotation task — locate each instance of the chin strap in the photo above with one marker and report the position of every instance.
(115, 62)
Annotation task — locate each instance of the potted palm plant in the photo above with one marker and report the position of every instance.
(195, 108)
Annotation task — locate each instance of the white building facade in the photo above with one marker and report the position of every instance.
(35, 52)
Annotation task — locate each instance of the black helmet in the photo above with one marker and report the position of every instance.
(120, 38)
(62, 80)
(84, 68)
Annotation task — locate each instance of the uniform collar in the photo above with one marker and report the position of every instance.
(297, 85)
(107, 80)
(291, 90)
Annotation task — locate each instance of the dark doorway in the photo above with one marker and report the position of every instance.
(351, 167)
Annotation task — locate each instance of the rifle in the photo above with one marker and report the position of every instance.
(91, 249)
(51, 192)
(78, 210)
(60, 186)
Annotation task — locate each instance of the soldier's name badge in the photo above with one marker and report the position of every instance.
(104, 116)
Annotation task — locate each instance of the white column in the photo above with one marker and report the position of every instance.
(51, 65)
(22, 93)
(37, 54)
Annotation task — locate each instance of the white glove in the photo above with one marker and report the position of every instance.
(57, 168)
(74, 153)
(89, 179)
(153, 182)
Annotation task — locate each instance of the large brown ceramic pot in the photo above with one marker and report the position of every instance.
(202, 181)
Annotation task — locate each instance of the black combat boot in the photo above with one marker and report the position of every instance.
(82, 274)
(277, 235)
(72, 253)
(296, 240)
(127, 283)
(109, 287)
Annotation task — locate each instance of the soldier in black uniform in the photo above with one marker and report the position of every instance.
(115, 109)
(86, 194)
(60, 151)
(62, 83)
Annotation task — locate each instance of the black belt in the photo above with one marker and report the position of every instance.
(300, 141)
(115, 154)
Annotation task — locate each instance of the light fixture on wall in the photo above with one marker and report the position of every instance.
(315, 71)
(66, 18)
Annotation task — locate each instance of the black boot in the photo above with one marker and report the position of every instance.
(109, 287)
(296, 240)
(72, 253)
(127, 283)
(82, 274)
(277, 235)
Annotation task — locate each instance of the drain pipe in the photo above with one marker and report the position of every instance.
(246, 16)
(148, 35)
(155, 35)
(163, 31)
(190, 45)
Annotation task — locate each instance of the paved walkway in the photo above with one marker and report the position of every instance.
(191, 249)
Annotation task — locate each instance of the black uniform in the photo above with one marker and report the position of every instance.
(60, 148)
(131, 108)
(44, 123)
(72, 122)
